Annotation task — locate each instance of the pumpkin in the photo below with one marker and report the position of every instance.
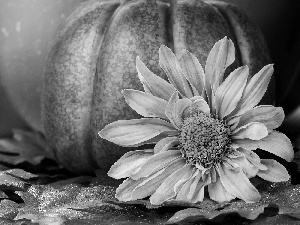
(93, 59)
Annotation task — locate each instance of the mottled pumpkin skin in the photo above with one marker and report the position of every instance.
(93, 59)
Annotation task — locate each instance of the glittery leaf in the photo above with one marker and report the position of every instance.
(3, 195)
(8, 209)
(282, 198)
(14, 179)
(47, 205)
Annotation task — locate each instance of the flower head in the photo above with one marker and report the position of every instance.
(205, 129)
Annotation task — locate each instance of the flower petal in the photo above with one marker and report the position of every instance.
(170, 107)
(255, 90)
(236, 183)
(276, 143)
(135, 131)
(253, 158)
(157, 138)
(169, 63)
(154, 84)
(196, 193)
(220, 57)
(169, 188)
(275, 172)
(175, 109)
(151, 183)
(253, 131)
(249, 169)
(192, 190)
(165, 143)
(124, 191)
(218, 193)
(232, 122)
(192, 70)
(270, 116)
(230, 91)
(199, 105)
(145, 104)
(129, 163)
(156, 163)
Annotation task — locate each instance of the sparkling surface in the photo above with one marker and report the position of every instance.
(204, 139)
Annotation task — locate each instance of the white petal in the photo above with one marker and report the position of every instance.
(253, 131)
(170, 107)
(157, 138)
(275, 172)
(128, 163)
(145, 104)
(169, 188)
(169, 63)
(253, 158)
(194, 91)
(165, 143)
(197, 189)
(218, 193)
(192, 70)
(199, 105)
(270, 116)
(232, 122)
(156, 163)
(175, 109)
(220, 57)
(154, 84)
(124, 191)
(151, 183)
(249, 169)
(276, 143)
(255, 90)
(193, 190)
(185, 189)
(237, 184)
(135, 131)
(230, 91)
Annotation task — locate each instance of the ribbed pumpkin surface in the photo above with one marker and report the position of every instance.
(93, 59)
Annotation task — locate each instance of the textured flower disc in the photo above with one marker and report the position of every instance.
(204, 139)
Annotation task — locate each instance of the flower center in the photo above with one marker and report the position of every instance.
(204, 140)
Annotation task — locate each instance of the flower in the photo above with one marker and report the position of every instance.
(204, 129)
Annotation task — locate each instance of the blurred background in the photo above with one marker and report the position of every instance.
(29, 26)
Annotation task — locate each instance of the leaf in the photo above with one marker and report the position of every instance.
(3, 195)
(14, 179)
(74, 180)
(276, 220)
(24, 146)
(282, 197)
(8, 209)
(47, 205)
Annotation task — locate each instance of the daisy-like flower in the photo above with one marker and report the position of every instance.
(204, 129)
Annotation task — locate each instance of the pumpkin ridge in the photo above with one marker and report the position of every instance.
(134, 30)
(251, 49)
(166, 21)
(238, 54)
(68, 84)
